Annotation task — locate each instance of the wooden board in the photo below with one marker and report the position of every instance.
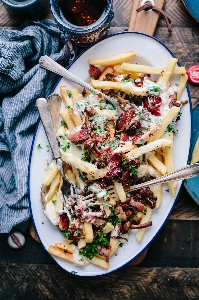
(144, 21)
(52, 282)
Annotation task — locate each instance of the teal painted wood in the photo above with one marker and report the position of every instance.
(193, 8)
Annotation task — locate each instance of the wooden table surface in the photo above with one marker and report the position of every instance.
(170, 269)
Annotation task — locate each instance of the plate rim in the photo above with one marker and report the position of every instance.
(32, 147)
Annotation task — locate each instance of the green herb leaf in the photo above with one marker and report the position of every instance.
(69, 93)
(85, 156)
(39, 146)
(63, 123)
(188, 240)
(114, 220)
(66, 233)
(54, 201)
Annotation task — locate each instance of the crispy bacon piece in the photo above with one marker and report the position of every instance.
(114, 165)
(80, 136)
(121, 214)
(125, 177)
(123, 138)
(141, 225)
(125, 119)
(90, 110)
(174, 101)
(136, 137)
(140, 206)
(94, 72)
(63, 221)
(105, 251)
(152, 104)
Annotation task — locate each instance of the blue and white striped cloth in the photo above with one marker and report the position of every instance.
(22, 81)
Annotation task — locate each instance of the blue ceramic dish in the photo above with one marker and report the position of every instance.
(192, 184)
(193, 8)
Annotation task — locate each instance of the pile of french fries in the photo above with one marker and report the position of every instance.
(157, 147)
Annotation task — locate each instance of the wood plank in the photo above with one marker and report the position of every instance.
(144, 21)
(50, 281)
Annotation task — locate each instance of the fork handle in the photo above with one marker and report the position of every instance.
(183, 173)
(48, 63)
(45, 115)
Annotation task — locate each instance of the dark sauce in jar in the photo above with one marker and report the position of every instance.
(82, 12)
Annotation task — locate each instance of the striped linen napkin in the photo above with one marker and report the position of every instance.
(22, 81)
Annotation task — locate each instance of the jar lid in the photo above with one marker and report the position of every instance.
(16, 240)
(193, 74)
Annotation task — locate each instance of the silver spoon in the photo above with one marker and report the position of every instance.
(49, 64)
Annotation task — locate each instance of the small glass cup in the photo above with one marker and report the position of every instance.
(83, 35)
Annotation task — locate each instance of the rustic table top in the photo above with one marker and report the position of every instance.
(170, 269)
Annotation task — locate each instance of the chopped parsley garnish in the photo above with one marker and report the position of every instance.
(68, 106)
(91, 249)
(170, 128)
(167, 190)
(63, 123)
(144, 211)
(126, 80)
(85, 156)
(114, 144)
(39, 146)
(67, 146)
(54, 201)
(99, 129)
(114, 220)
(69, 93)
(66, 233)
(133, 169)
(188, 240)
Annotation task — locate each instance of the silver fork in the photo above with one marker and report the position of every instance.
(47, 63)
(181, 174)
(45, 115)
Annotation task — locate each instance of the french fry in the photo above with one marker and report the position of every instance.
(79, 164)
(157, 190)
(146, 218)
(150, 70)
(71, 177)
(181, 85)
(120, 191)
(107, 70)
(88, 232)
(65, 246)
(59, 203)
(50, 173)
(195, 153)
(125, 148)
(99, 262)
(107, 85)
(54, 186)
(135, 153)
(75, 116)
(166, 121)
(66, 96)
(100, 173)
(156, 163)
(118, 69)
(114, 243)
(60, 253)
(168, 71)
(108, 228)
(169, 162)
(67, 119)
(81, 244)
(112, 60)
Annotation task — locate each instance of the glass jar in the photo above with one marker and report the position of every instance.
(83, 35)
